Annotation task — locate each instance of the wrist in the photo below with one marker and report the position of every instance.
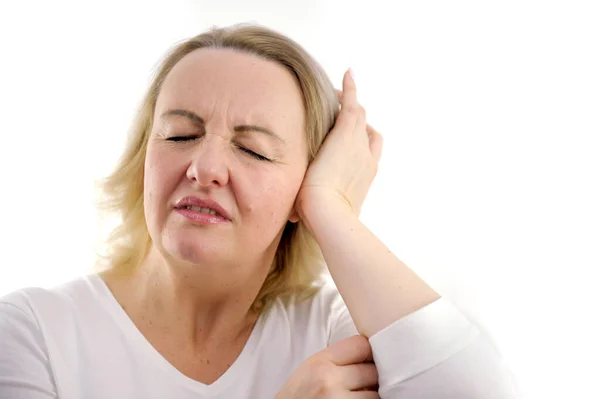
(321, 215)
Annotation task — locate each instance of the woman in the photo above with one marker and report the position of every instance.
(241, 176)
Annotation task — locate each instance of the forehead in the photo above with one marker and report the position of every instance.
(240, 86)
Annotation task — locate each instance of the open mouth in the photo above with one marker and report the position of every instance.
(202, 210)
(196, 206)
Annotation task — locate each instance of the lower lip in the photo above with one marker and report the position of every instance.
(201, 218)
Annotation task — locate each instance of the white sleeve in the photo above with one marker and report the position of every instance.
(437, 353)
(24, 368)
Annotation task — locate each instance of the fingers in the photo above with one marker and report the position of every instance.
(359, 376)
(350, 105)
(363, 395)
(352, 116)
(355, 349)
(347, 118)
(375, 142)
(349, 98)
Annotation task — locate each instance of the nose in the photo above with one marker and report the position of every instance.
(208, 167)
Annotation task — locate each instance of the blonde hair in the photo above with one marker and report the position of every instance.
(298, 263)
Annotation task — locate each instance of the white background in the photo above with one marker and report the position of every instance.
(490, 179)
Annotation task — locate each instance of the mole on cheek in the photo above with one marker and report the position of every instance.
(274, 220)
(249, 208)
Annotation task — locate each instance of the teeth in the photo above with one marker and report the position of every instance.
(203, 210)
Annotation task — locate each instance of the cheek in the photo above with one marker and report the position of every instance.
(268, 195)
(159, 176)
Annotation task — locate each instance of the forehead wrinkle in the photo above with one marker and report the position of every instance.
(209, 92)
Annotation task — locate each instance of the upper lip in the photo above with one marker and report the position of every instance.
(203, 203)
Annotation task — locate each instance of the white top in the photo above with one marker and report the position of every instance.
(75, 341)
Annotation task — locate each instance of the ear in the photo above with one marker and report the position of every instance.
(294, 216)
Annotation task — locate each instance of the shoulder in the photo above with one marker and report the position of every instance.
(38, 326)
(48, 309)
(322, 315)
(324, 304)
(31, 300)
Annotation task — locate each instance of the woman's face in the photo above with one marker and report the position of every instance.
(228, 132)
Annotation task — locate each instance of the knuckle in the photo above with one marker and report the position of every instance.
(324, 386)
(321, 369)
(323, 376)
(362, 111)
(351, 109)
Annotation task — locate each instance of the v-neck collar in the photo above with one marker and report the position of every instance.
(126, 325)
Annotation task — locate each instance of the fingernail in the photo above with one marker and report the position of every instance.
(351, 73)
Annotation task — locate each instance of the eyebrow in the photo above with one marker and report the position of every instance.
(240, 128)
(186, 114)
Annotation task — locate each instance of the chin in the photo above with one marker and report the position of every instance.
(195, 251)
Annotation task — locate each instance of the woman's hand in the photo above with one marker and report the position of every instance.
(346, 164)
(343, 370)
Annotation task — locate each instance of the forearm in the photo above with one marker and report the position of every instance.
(376, 286)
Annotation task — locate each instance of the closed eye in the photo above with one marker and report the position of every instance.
(182, 138)
(253, 154)
(243, 149)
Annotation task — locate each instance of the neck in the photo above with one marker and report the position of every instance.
(199, 303)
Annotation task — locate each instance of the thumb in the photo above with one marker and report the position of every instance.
(352, 350)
